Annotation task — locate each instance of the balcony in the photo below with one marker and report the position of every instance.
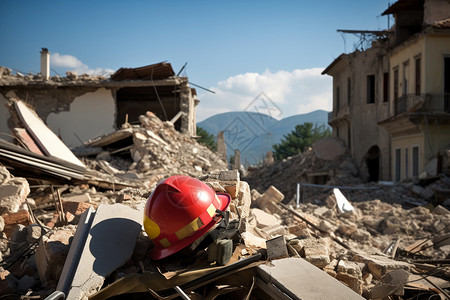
(343, 115)
(428, 103)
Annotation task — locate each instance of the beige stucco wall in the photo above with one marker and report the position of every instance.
(90, 115)
(436, 48)
(406, 55)
(364, 116)
(403, 142)
(437, 139)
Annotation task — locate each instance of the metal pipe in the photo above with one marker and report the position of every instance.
(181, 293)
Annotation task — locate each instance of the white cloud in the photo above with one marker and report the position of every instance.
(74, 64)
(64, 60)
(295, 92)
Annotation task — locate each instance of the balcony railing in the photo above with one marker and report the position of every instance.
(423, 103)
(330, 116)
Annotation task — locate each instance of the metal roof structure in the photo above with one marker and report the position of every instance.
(157, 71)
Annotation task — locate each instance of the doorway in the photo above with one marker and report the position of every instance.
(373, 158)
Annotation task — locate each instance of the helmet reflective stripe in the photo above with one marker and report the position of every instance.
(189, 229)
(196, 224)
(165, 243)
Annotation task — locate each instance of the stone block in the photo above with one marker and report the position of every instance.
(347, 229)
(379, 265)
(273, 230)
(230, 175)
(297, 229)
(360, 235)
(255, 195)
(215, 185)
(276, 248)
(263, 219)
(244, 199)
(253, 241)
(326, 226)
(440, 210)
(351, 281)
(13, 194)
(316, 251)
(5, 176)
(76, 208)
(273, 208)
(11, 219)
(274, 194)
(77, 198)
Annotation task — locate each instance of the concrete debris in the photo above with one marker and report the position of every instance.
(79, 236)
(300, 280)
(13, 194)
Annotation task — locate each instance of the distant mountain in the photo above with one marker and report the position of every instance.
(254, 133)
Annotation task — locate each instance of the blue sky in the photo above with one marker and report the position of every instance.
(236, 48)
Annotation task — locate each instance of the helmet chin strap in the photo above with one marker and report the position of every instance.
(220, 232)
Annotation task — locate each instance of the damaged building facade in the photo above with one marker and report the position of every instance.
(391, 101)
(79, 108)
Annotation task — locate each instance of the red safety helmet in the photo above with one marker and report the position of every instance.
(179, 211)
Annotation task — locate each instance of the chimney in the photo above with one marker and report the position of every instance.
(45, 63)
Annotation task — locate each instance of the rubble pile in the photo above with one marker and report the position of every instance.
(8, 78)
(156, 151)
(361, 247)
(377, 249)
(342, 171)
(334, 163)
(85, 237)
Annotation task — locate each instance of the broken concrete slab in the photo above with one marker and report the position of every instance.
(263, 219)
(379, 265)
(48, 142)
(299, 279)
(110, 138)
(106, 244)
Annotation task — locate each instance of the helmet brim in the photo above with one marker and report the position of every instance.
(160, 253)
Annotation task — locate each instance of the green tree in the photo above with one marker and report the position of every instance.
(304, 135)
(207, 139)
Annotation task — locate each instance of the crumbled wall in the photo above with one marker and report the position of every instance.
(88, 116)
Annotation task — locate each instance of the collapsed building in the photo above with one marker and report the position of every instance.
(74, 105)
(72, 226)
(391, 95)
